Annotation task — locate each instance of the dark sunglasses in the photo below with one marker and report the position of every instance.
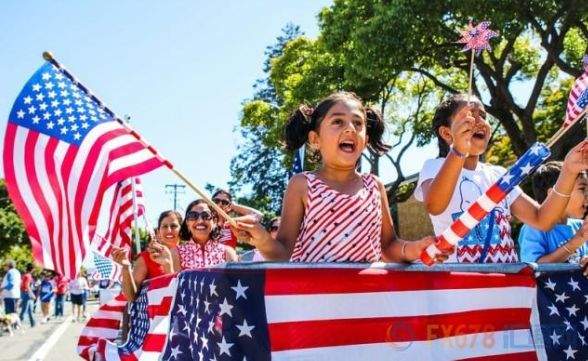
(223, 202)
(204, 215)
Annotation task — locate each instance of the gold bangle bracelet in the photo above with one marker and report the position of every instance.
(403, 250)
(559, 193)
(567, 249)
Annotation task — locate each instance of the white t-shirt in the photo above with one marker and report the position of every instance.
(12, 276)
(494, 229)
(77, 286)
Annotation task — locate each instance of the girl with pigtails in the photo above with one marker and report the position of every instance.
(335, 214)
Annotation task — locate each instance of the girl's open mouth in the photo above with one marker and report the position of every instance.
(347, 146)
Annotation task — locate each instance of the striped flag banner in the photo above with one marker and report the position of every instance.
(119, 231)
(63, 150)
(578, 98)
(331, 312)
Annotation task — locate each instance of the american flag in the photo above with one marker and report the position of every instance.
(104, 325)
(578, 98)
(62, 150)
(297, 162)
(106, 269)
(330, 313)
(562, 305)
(460, 228)
(119, 232)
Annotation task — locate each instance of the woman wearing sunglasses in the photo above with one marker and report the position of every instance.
(168, 233)
(201, 249)
(224, 200)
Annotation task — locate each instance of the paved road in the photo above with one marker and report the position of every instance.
(54, 341)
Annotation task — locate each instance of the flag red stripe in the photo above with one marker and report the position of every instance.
(154, 342)
(328, 281)
(31, 140)
(51, 170)
(15, 195)
(66, 166)
(103, 322)
(328, 333)
(520, 356)
(161, 309)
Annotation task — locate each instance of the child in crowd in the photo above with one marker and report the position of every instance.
(46, 291)
(448, 185)
(566, 242)
(335, 214)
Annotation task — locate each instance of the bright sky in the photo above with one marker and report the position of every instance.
(181, 69)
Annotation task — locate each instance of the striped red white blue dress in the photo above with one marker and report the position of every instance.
(338, 227)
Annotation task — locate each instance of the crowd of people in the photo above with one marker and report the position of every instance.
(336, 214)
(37, 299)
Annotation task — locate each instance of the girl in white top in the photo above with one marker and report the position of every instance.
(449, 184)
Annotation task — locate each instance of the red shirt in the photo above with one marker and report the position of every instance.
(25, 283)
(61, 283)
(154, 269)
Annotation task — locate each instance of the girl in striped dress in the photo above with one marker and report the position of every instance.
(335, 214)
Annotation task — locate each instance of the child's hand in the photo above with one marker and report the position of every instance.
(576, 160)
(249, 228)
(425, 242)
(121, 256)
(462, 130)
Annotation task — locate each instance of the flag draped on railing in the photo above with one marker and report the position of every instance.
(62, 151)
(351, 312)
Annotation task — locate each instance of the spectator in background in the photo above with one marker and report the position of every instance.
(27, 296)
(60, 291)
(224, 200)
(46, 292)
(77, 292)
(566, 241)
(10, 287)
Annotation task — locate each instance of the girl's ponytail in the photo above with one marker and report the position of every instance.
(375, 127)
(297, 127)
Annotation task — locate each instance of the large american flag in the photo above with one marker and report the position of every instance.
(330, 313)
(62, 150)
(119, 232)
(524, 166)
(578, 98)
(562, 305)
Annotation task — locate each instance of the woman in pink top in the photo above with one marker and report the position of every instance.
(201, 249)
(335, 214)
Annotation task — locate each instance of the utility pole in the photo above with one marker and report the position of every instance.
(175, 189)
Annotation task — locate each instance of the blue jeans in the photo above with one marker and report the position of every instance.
(10, 305)
(26, 307)
(58, 305)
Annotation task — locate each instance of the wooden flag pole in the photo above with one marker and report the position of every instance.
(49, 57)
(563, 130)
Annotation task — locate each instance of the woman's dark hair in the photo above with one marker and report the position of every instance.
(223, 191)
(444, 112)
(307, 118)
(185, 234)
(29, 267)
(544, 178)
(166, 214)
